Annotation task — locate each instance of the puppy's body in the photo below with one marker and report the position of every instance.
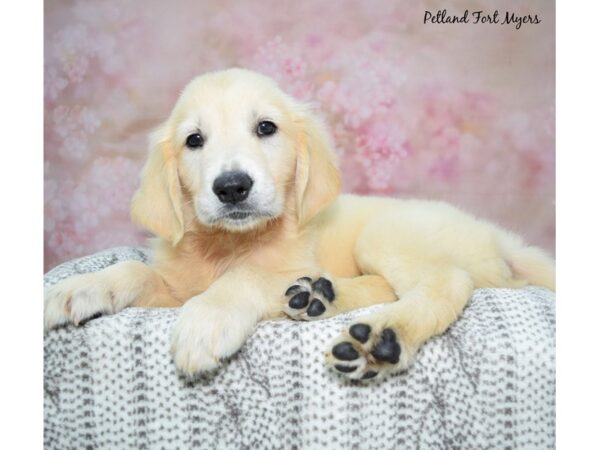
(289, 245)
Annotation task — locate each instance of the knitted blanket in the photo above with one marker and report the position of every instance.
(488, 382)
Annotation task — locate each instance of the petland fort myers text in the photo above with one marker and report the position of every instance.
(481, 17)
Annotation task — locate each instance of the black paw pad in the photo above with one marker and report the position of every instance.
(344, 369)
(293, 290)
(324, 287)
(388, 335)
(344, 351)
(360, 332)
(299, 300)
(316, 308)
(307, 279)
(387, 349)
(368, 375)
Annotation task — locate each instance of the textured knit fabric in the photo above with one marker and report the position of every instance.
(488, 382)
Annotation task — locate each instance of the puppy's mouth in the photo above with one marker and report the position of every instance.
(238, 215)
(240, 218)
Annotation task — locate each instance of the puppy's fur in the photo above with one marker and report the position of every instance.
(232, 265)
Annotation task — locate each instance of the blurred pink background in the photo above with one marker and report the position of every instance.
(460, 112)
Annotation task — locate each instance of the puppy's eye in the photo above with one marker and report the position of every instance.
(194, 141)
(265, 128)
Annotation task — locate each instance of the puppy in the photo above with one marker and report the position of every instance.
(242, 189)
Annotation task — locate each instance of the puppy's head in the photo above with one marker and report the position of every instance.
(235, 154)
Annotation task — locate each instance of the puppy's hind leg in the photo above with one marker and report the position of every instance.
(388, 340)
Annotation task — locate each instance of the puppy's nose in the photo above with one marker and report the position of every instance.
(232, 187)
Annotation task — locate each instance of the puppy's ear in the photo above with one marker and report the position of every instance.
(317, 180)
(158, 203)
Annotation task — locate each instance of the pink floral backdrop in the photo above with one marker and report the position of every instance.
(459, 112)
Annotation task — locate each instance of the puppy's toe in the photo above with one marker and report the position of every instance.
(57, 307)
(190, 354)
(366, 352)
(204, 336)
(65, 304)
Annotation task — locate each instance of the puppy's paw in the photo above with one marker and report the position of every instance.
(310, 300)
(206, 333)
(365, 352)
(77, 300)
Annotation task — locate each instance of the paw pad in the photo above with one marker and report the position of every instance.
(362, 354)
(368, 375)
(316, 308)
(345, 351)
(360, 332)
(308, 300)
(387, 349)
(324, 286)
(344, 369)
(300, 300)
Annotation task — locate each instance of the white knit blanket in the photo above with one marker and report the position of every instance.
(488, 382)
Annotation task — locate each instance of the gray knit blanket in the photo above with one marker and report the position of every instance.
(488, 382)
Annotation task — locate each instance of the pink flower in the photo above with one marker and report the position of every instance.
(89, 120)
(75, 147)
(285, 64)
(54, 83)
(81, 216)
(76, 67)
(382, 148)
(520, 130)
(445, 168)
(373, 88)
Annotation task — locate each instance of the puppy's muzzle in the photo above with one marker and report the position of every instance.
(232, 187)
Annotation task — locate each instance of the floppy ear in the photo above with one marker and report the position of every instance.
(317, 176)
(157, 204)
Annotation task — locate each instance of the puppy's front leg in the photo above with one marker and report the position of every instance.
(82, 297)
(215, 324)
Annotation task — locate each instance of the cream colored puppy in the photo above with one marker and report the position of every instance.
(241, 188)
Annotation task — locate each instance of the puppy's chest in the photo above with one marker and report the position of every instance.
(280, 257)
(195, 274)
(273, 258)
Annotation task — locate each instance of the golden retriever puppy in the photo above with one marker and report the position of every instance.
(242, 189)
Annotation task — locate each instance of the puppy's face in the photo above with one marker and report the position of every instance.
(234, 137)
(236, 152)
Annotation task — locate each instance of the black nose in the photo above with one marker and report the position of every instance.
(232, 187)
